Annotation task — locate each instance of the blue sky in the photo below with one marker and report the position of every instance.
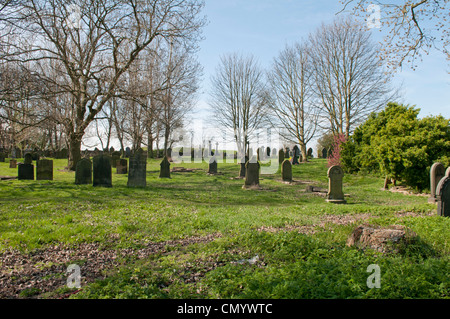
(264, 27)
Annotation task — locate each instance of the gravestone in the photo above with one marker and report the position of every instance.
(44, 170)
(12, 163)
(164, 171)
(28, 158)
(280, 156)
(251, 174)
(137, 169)
(296, 155)
(287, 152)
(2, 157)
(25, 171)
(447, 172)
(121, 167)
(443, 197)
(212, 167)
(102, 171)
(242, 167)
(310, 152)
(115, 156)
(335, 193)
(286, 171)
(127, 152)
(324, 153)
(437, 172)
(83, 172)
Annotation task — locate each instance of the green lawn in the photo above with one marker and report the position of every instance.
(200, 236)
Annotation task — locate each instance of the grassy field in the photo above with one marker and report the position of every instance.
(201, 236)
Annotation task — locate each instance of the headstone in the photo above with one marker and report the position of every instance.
(115, 156)
(324, 153)
(443, 197)
(437, 172)
(44, 170)
(102, 171)
(83, 172)
(164, 171)
(310, 152)
(447, 172)
(242, 167)
(296, 155)
(12, 163)
(121, 166)
(127, 152)
(252, 174)
(25, 171)
(286, 171)
(280, 156)
(268, 151)
(335, 193)
(28, 158)
(212, 167)
(137, 169)
(2, 157)
(287, 152)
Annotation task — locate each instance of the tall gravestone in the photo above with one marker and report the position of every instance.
(212, 166)
(280, 156)
(164, 171)
(83, 172)
(251, 174)
(335, 177)
(137, 174)
(437, 172)
(296, 155)
(443, 197)
(286, 171)
(115, 156)
(102, 171)
(121, 166)
(44, 170)
(324, 153)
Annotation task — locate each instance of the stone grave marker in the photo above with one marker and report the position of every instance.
(121, 167)
(242, 167)
(25, 171)
(286, 171)
(335, 193)
(12, 163)
(324, 153)
(212, 167)
(280, 156)
(137, 175)
(2, 157)
(437, 172)
(115, 156)
(252, 174)
(102, 171)
(83, 172)
(44, 170)
(28, 158)
(443, 197)
(164, 171)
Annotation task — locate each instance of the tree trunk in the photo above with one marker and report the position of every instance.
(304, 153)
(74, 151)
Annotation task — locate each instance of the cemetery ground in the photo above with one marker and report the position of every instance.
(203, 236)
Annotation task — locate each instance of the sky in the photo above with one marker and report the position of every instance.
(263, 28)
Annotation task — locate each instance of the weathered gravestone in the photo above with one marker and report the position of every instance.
(25, 171)
(286, 171)
(28, 158)
(296, 155)
(12, 163)
(83, 172)
(137, 169)
(443, 197)
(310, 153)
(287, 152)
(121, 167)
(212, 167)
(324, 153)
(102, 171)
(44, 170)
(280, 156)
(242, 169)
(437, 172)
(335, 193)
(251, 174)
(115, 156)
(127, 152)
(164, 171)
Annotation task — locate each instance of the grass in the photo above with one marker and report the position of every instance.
(36, 215)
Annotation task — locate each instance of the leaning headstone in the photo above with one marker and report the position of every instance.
(12, 163)
(102, 171)
(28, 158)
(280, 156)
(437, 172)
(25, 171)
(212, 167)
(83, 172)
(252, 174)
(286, 171)
(335, 193)
(44, 170)
(137, 169)
(443, 197)
(164, 171)
(121, 166)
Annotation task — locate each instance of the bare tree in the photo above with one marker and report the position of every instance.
(94, 43)
(293, 99)
(411, 28)
(239, 98)
(348, 78)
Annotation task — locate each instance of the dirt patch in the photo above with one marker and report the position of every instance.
(44, 270)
